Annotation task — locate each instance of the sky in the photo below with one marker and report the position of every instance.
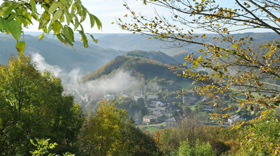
(110, 10)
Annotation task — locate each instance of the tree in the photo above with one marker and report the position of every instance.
(233, 65)
(33, 106)
(200, 149)
(16, 15)
(43, 147)
(175, 113)
(199, 106)
(150, 112)
(137, 143)
(187, 111)
(102, 133)
(265, 134)
(140, 103)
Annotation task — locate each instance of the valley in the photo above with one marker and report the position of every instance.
(125, 74)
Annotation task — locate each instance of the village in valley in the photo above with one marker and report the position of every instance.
(162, 114)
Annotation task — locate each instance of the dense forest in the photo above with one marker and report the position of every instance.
(140, 66)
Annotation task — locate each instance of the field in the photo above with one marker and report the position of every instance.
(150, 129)
(186, 85)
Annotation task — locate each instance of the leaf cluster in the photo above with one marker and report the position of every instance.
(57, 16)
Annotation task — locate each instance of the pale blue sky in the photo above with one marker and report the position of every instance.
(108, 10)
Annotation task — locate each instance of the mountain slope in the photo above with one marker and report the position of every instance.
(56, 53)
(138, 66)
(154, 55)
(138, 42)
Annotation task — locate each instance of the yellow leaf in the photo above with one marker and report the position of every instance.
(56, 27)
(20, 47)
(41, 36)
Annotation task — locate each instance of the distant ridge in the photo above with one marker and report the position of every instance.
(56, 53)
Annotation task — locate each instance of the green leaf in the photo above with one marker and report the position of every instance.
(84, 14)
(62, 18)
(12, 16)
(95, 19)
(53, 7)
(3, 25)
(28, 18)
(50, 28)
(71, 34)
(47, 16)
(73, 9)
(194, 73)
(77, 23)
(41, 36)
(68, 34)
(56, 16)
(84, 39)
(61, 39)
(234, 45)
(67, 40)
(45, 30)
(94, 40)
(68, 19)
(33, 6)
(15, 28)
(92, 20)
(20, 47)
(9, 10)
(56, 27)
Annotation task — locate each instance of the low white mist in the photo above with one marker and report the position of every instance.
(117, 83)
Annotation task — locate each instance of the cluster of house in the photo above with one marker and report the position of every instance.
(162, 110)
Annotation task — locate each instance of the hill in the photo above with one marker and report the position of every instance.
(181, 57)
(154, 55)
(128, 42)
(138, 66)
(56, 53)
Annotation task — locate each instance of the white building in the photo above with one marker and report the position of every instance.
(152, 97)
(233, 119)
(157, 117)
(160, 104)
(136, 97)
(109, 97)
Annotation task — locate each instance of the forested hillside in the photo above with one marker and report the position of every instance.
(154, 55)
(140, 67)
